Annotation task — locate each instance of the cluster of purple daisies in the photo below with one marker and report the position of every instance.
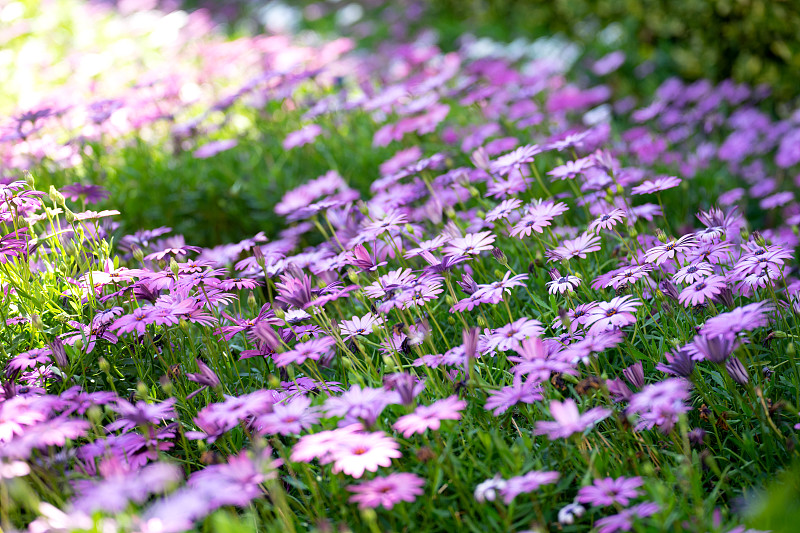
(515, 278)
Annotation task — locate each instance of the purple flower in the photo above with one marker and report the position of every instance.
(121, 485)
(609, 491)
(137, 321)
(314, 349)
(660, 404)
(427, 417)
(141, 414)
(568, 420)
(359, 404)
(213, 148)
(387, 491)
(238, 481)
(501, 400)
(527, 483)
(289, 418)
(623, 521)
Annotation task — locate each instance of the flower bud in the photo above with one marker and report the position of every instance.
(36, 322)
(758, 238)
(499, 256)
(451, 320)
(29, 181)
(482, 322)
(258, 253)
(103, 364)
(69, 215)
(174, 266)
(251, 300)
(737, 371)
(56, 197)
(141, 391)
(661, 236)
(137, 252)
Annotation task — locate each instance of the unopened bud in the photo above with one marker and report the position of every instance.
(499, 256)
(29, 181)
(251, 300)
(137, 252)
(36, 322)
(141, 391)
(280, 313)
(482, 322)
(758, 238)
(661, 236)
(352, 276)
(258, 253)
(69, 215)
(174, 266)
(451, 320)
(56, 197)
(103, 364)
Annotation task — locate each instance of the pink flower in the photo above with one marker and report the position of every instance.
(578, 247)
(659, 254)
(656, 185)
(702, 290)
(359, 325)
(315, 349)
(288, 418)
(527, 483)
(562, 284)
(427, 417)
(693, 272)
(387, 491)
(302, 136)
(503, 209)
(614, 314)
(609, 491)
(361, 452)
(608, 220)
(470, 244)
(569, 420)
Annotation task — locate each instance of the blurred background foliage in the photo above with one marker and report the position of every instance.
(753, 41)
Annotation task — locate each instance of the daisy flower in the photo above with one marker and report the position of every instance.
(669, 250)
(693, 272)
(657, 185)
(503, 209)
(288, 418)
(623, 521)
(562, 284)
(568, 420)
(702, 290)
(527, 483)
(510, 336)
(470, 244)
(387, 491)
(614, 314)
(577, 247)
(362, 452)
(426, 246)
(514, 159)
(502, 400)
(608, 491)
(427, 417)
(607, 221)
(359, 325)
(570, 169)
(315, 349)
